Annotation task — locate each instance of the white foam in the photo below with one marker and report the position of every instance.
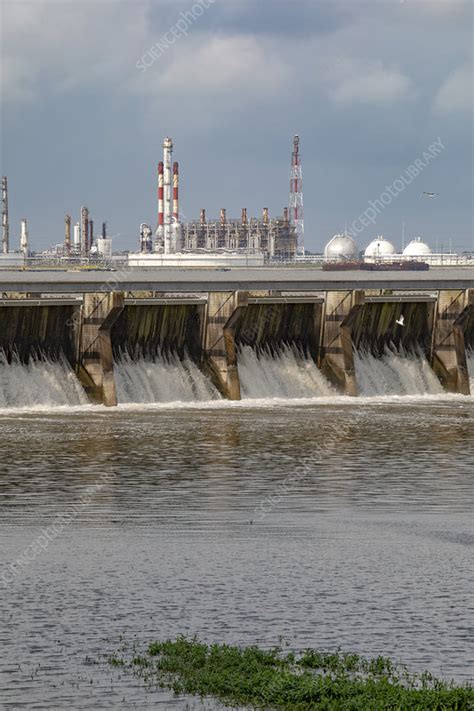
(395, 373)
(40, 383)
(163, 379)
(470, 369)
(288, 380)
(288, 373)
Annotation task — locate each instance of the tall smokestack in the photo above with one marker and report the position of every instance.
(91, 233)
(167, 155)
(265, 215)
(24, 238)
(223, 216)
(104, 230)
(285, 215)
(5, 222)
(160, 232)
(203, 216)
(67, 235)
(244, 215)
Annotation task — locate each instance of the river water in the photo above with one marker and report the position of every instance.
(326, 522)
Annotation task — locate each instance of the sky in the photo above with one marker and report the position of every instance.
(368, 85)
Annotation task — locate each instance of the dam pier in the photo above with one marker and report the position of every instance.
(207, 317)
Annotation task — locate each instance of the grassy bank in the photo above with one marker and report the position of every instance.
(277, 680)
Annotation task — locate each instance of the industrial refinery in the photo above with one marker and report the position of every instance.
(259, 239)
(222, 240)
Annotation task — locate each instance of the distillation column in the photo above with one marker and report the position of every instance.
(5, 223)
(67, 235)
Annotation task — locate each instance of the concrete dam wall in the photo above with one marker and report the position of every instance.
(218, 337)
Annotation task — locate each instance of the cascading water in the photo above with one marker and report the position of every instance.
(395, 373)
(286, 373)
(161, 379)
(41, 382)
(470, 368)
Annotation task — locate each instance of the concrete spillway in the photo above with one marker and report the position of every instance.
(39, 383)
(38, 355)
(242, 344)
(395, 373)
(164, 378)
(286, 372)
(158, 354)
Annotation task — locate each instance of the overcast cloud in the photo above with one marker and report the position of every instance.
(368, 85)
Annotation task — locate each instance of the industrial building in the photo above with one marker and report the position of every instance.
(82, 242)
(216, 241)
(272, 237)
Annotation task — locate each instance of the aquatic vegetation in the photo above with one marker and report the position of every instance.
(273, 679)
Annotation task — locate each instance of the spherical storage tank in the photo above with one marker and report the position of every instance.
(417, 248)
(379, 247)
(341, 247)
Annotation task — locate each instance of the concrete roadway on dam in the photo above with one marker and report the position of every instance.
(193, 280)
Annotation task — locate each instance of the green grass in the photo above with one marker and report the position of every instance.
(281, 680)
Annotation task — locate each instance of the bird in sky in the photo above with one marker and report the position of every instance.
(401, 320)
(431, 195)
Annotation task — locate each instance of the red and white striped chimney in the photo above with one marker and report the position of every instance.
(167, 192)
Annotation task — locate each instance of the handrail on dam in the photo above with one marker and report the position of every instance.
(402, 299)
(286, 299)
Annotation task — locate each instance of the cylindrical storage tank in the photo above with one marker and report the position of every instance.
(341, 247)
(24, 249)
(104, 247)
(417, 248)
(77, 236)
(378, 249)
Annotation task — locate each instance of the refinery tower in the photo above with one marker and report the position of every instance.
(269, 237)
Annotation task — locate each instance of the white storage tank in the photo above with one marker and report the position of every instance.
(417, 248)
(341, 247)
(104, 247)
(379, 248)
